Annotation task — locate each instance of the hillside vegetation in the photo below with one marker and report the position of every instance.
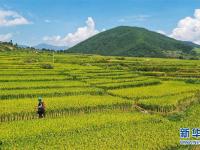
(132, 41)
(7, 46)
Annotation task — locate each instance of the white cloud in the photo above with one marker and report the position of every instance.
(188, 29)
(5, 37)
(71, 39)
(11, 18)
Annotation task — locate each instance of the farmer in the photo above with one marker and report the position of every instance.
(41, 108)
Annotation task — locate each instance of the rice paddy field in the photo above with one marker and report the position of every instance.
(96, 102)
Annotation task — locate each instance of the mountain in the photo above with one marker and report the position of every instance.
(50, 47)
(23, 46)
(132, 41)
(192, 44)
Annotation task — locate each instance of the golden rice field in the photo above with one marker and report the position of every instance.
(96, 102)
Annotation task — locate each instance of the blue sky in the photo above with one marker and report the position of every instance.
(50, 21)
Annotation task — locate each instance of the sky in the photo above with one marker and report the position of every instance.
(68, 22)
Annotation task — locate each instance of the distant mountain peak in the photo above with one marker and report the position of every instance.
(50, 47)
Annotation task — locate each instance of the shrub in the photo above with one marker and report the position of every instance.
(31, 60)
(121, 58)
(47, 66)
(192, 81)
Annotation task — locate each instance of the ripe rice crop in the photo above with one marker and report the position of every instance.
(20, 130)
(96, 102)
(164, 89)
(167, 103)
(27, 105)
(110, 80)
(129, 84)
(108, 131)
(32, 78)
(14, 109)
(41, 84)
(11, 94)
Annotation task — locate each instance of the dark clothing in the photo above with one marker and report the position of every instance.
(41, 114)
(41, 109)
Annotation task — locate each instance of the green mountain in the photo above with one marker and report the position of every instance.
(132, 41)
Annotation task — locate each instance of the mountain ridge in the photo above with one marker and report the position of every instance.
(131, 41)
(49, 47)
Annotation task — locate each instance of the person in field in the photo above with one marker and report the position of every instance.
(41, 108)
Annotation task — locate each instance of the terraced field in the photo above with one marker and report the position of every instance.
(96, 102)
